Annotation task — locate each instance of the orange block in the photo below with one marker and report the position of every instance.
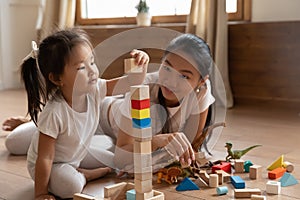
(276, 173)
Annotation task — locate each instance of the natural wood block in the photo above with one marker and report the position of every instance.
(144, 176)
(143, 186)
(80, 196)
(144, 196)
(273, 187)
(246, 193)
(213, 180)
(220, 175)
(288, 166)
(131, 67)
(142, 134)
(139, 92)
(239, 166)
(258, 197)
(204, 176)
(116, 190)
(255, 172)
(276, 173)
(140, 104)
(142, 146)
(142, 162)
(140, 114)
(200, 182)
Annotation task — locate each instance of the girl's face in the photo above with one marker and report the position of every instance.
(177, 78)
(81, 73)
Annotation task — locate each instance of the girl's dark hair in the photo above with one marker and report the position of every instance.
(188, 46)
(53, 55)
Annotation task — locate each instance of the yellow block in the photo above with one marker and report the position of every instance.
(140, 114)
(276, 164)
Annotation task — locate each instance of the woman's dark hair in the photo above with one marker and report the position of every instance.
(53, 55)
(188, 46)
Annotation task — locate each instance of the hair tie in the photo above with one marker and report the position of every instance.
(34, 51)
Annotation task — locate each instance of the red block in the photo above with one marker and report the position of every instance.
(225, 166)
(276, 173)
(140, 104)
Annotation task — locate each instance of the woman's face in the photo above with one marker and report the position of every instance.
(177, 78)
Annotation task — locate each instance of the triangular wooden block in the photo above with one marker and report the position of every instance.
(187, 184)
(200, 182)
(278, 163)
(288, 179)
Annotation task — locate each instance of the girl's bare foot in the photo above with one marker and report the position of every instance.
(91, 174)
(13, 122)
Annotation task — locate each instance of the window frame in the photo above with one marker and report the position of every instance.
(243, 14)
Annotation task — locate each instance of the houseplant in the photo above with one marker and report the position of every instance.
(143, 17)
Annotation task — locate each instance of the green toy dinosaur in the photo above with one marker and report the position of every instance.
(236, 154)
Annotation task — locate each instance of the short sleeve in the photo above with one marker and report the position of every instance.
(49, 123)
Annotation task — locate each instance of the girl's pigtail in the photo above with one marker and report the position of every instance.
(35, 87)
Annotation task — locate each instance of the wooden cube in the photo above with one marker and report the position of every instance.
(255, 172)
(246, 193)
(142, 147)
(139, 92)
(213, 180)
(143, 186)
(239, 166)
(273, 187)
(131, 67)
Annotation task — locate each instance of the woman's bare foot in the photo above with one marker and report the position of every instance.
(91, 174)
(13, 122)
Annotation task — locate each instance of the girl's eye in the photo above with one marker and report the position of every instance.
(183, 76)
(167, 68)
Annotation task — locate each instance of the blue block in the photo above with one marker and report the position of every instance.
(187, 184)
(222, 190)
(288, 179)
(130, 195)
(141, 123)
(237, 182)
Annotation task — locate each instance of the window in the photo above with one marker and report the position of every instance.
(105, 12)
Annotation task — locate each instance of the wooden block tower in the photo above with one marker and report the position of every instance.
(142, 133)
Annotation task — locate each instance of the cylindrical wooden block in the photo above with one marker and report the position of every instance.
(213, 180)
(222, 190)
(288, 166)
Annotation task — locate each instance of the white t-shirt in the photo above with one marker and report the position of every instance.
(191, 104)
(72, 130)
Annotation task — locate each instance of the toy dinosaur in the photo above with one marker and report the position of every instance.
(236, 154)
(169, 175)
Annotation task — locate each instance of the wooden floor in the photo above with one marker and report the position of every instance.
(274, 125)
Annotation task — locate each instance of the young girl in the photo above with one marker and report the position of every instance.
(64, 95)
(180, 95)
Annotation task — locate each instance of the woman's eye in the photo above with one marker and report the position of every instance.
(81, 68)
(167, 68)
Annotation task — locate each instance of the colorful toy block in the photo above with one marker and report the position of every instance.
(276, 164)
(140, 114)
(255, 172)
(141, 123)
(247, 165)
(237, 182)
(276, 173)
(258, 197)
(288, 179)
(130, 195)
(213, 180)
(246, 193)
(288, 166)
(225, 166)
(222, 190)
(140, 104)
(239, 165)
(131, 67)
(273, 187)
(187, 184)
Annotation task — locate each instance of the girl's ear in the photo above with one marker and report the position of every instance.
(203, 80)
(55, 79)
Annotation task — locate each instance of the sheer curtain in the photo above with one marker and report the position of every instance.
(208, 20)
(55, 14)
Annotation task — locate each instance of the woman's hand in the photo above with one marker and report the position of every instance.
(45, 197)
(177, 145)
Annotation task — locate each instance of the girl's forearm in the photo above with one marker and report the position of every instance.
(42, 176)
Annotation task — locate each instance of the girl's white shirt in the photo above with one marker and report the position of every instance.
(73, 131)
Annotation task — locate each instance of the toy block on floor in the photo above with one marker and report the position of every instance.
(247, 166)
(276, 164)
(117, 190)
(246, 193)
(187, 184)
(225, 176)
(273, 187)
(131, 67)
(288, 166)
(213, 180)
(200, 182)
(222, 190)
(225, 166)
(80, 196)
(276, 173)
(204, 176)
(237, 182)
(255, 172)
(140, 104)
(139, 92)
(287, 180)
(130, 194)
(258, 197)
(145, 195)
(220, 176)
(239, 165)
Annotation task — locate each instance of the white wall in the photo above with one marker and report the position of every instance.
(17, 27)
(275, 10)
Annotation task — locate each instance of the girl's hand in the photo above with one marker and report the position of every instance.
(141, 57)
(45, 197)
(177, 145)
